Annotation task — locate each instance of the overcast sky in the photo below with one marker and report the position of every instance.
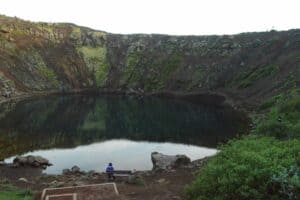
(179, 17)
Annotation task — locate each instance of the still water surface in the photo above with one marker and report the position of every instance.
(90, 131)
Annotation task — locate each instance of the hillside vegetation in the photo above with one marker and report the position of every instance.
(264, 165)
(9, 192)
(260, 71)
(45, 57)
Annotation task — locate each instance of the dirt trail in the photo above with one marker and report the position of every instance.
(152, 185)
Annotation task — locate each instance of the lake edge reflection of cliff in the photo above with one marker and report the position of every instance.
(70, 121)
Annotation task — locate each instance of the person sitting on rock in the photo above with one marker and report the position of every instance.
(110, 172)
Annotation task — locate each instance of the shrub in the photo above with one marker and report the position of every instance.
(291, 109)
(244, 169)
(283, 119)
(286, 185)
(273, 128)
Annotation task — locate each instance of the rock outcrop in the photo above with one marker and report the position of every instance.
(45, 57)
(33, 161)
(75, 169)
(167, 162)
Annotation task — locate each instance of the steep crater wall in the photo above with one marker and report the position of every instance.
(43, 57)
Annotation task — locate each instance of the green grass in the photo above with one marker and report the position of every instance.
(283, 117)
(130, 74)
(247, 169)
(166, 66)
(133, 73)
(48, 74)
(76, 33)
(247, 79)
(95, 59)
(264, 165)
(198, 77)
(9, 192)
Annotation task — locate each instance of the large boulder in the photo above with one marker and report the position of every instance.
(166, 162)
(75, 169)
(33, 161)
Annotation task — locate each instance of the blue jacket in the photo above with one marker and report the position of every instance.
(109, 169)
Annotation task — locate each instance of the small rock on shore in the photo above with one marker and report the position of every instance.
(167, 162)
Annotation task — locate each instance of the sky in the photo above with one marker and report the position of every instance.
(176, 17)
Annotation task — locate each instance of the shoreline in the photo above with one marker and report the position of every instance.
(154, 183)
(145, 184)
(204, 97)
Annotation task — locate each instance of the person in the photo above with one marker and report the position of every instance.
(110, 172)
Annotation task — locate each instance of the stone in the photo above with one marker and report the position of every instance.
(4, 30)
(60, 184)
(20, 161)
(66, 171)
(23, 180)
(162, 180)
(33, 161)
(92, 173)
(200, 162)
(132, 179)
(6, 94)
(75, 169)
(54, 184)
(168, 162)
(135, 179)
(79, 183)
(39, 160)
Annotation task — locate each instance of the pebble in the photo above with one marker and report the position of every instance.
(23, 180)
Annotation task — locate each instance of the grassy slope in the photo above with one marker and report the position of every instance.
(31, 56)
(248, 66)
(264, 165)
(8, 192)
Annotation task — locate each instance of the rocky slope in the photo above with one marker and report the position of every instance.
(44, 57)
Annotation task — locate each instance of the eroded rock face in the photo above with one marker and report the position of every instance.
(166, 162)
(33, 161)
(237, 65)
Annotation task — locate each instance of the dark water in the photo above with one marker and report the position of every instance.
(91, 131)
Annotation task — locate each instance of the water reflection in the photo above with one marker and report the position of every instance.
(70, 121)
(125, 154)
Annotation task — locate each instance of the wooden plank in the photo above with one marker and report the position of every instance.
(107, 189)
(62, 196)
